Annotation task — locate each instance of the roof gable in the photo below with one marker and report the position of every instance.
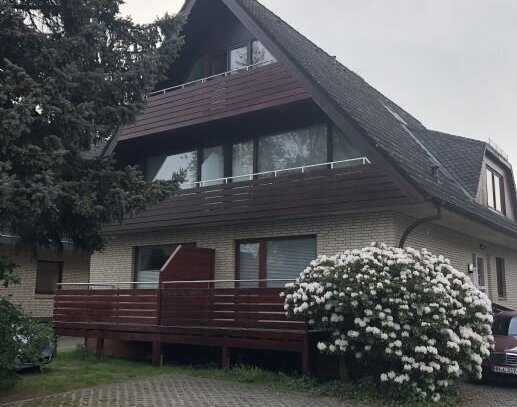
(388, 127)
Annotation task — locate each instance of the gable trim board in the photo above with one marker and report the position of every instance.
(363, 113)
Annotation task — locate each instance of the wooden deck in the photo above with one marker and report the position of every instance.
(248, 318)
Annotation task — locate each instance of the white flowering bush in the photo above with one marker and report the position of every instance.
(410, 315)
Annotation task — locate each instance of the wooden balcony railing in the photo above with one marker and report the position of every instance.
(296, 193)
(226, 95)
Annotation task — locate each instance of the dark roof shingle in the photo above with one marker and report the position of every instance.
(462, 156)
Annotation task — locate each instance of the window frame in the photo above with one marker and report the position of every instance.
(233, 47)
(500, 273)
(262, 242)
(135, 258)
(489, 170)
(60, 278)
(198, 151)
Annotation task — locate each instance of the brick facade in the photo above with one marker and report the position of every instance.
(334, 234)
(75, 270)
(460, 248)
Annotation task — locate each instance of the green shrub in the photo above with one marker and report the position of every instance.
(22, 340)
(409, 318)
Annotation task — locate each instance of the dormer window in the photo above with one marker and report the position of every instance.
(495, 190)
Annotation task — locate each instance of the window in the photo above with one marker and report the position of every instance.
(242, 159)
(259, 53)
(293, 149)
(48, 276)
(241, 56)
(238, 58)
(500, 326)
(280, 259)
(501, 277)
(149, 261)
(495, 190)
(219, 64)
(197, 71)
(212, 166)
(343, 149)
(163, 167)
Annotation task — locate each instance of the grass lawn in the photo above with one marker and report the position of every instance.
(78, 370)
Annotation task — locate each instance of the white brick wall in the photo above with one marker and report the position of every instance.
(334, 234)
(75, 270)
(459, 248)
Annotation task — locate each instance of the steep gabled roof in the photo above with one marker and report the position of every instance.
(462, 156)
(387, 126)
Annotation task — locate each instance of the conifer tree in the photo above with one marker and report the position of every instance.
(71, 73)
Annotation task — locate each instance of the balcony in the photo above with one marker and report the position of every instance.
(327, 188)
(233, 93)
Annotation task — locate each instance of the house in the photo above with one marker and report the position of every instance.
(288, 155)
(40, 275)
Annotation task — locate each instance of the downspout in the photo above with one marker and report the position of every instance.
(418, 222)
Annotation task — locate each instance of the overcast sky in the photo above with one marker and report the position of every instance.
(450, 63)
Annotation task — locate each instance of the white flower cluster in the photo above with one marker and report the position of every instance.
(408, 311)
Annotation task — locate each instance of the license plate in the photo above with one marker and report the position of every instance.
(503, 369)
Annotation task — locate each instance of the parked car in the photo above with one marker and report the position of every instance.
(46, 352)
(503, 359)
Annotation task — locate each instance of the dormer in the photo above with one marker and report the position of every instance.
(497, 187)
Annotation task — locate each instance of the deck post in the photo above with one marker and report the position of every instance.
(306, 358)
(226, 357)
(99, 347)
(157, 353)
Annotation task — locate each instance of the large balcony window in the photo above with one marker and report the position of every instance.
(292, 149)
(212, 166)
(311, 148)
(250, 53)
(242, 160)
(163, 167)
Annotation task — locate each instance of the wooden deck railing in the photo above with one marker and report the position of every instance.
(135, 309)
(194, 313)
(110, 309)
(235, 308)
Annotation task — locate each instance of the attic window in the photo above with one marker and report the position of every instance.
(250, 53)
(495, 190)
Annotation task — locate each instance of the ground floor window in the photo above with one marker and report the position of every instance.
(149, 261)
(273, 259)
(501, 277)
(48, 275)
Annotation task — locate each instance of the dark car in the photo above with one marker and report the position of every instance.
(503, 359)
(46, 353)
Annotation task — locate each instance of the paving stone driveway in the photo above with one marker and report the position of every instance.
(164, 391)
(187, 391)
